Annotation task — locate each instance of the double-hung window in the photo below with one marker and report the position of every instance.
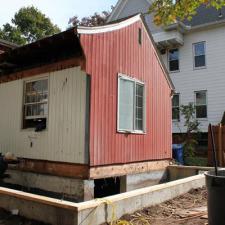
(199, 55)
(131, 108)
(173, 60)
(176, 107)
(201, 104)
(35, 111)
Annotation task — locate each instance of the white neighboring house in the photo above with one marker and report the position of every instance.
(194, 53)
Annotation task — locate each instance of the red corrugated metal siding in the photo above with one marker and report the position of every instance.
(108, 54)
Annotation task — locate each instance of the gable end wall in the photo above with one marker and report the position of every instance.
(108, 54)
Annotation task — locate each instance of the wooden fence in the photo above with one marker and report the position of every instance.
(219, 136)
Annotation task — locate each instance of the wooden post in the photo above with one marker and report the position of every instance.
(220, 153)
(223, 145)
(209, 148)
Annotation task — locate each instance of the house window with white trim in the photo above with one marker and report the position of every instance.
(131, 106)
(201, 104)
(199, 55)
(173, 60)
(176, 107)
(35, 106)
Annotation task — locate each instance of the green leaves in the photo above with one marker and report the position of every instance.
(12, 34)
(192, 125)
(28, 25)
(169, 11)
(97, 19)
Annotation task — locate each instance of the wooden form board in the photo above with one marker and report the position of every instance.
(125, 169)
(81, 171)
(53, 168)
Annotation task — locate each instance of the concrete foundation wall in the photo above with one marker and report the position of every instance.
(141, 180)
(178, 172)
(79, 190)
(131, 201)
(38, 211)
(58, 212)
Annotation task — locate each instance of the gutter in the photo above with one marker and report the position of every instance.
(179, 26)
(206, 25)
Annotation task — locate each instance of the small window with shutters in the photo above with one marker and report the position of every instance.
(131, 105)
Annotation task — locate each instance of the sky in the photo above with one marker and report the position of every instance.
(59, 11)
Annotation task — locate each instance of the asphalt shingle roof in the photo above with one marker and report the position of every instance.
(206, 15)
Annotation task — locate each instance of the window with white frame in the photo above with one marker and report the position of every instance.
(131, 107)
(199, 55)
(201, 104)
(176, 107)
(35, 111)
(173, 59)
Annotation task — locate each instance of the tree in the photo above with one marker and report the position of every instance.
(97, 19)
(192, 125)
(28, 25)
(169, 11)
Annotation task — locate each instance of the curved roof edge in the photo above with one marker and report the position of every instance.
(109, 27)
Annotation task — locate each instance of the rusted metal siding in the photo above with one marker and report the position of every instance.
(108, 54)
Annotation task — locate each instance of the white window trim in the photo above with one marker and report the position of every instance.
(168, 60)
(177, 120)
(125, 77)
(193, 53)
(204, 118)
(28, 80)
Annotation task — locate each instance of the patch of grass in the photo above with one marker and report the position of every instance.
(195, 161)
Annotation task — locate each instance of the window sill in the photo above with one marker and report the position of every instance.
(33, 130)
(200, 68)
(130, 132)
(175, 71)
(202, 119)
(175, 121)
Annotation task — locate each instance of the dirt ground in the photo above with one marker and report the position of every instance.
(188, 209)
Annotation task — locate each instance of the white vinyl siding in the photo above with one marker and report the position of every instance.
(212, 78)
(64, 138)
(130, 105)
